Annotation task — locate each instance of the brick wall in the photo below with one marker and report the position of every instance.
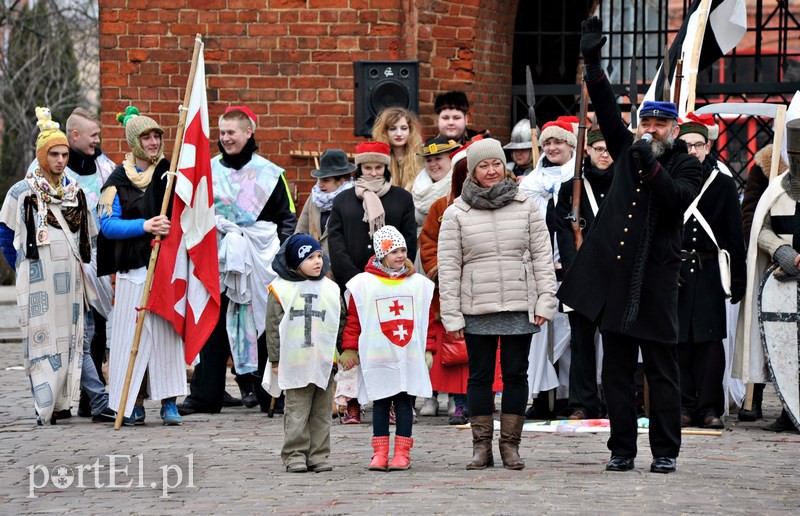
(291, 62)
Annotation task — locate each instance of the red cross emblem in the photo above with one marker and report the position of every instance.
(396, 316)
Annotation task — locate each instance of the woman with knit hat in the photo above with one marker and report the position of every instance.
(130, 205)
(449, 378)
(358, 213)
(46, 219)
(496, 280)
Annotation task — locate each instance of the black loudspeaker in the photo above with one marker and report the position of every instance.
(382, 84)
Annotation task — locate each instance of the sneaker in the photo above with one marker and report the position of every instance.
(169, 413)
(106, 416)
(136, 418)
(458, 417)
(352, 416)
(392, 415)
(430, 407)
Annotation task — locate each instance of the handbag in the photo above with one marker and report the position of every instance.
(453, 350)
(723, 257)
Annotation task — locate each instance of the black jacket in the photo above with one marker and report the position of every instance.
(701, 301)
(625, 275)
(279, 210)
(600, 181)
(132, 253)
(348, 235)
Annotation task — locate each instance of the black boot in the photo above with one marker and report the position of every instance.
(540, 408)
(755, 411)
(782, 424)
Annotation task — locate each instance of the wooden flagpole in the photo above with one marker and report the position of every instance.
(198, 44)
(694, 57)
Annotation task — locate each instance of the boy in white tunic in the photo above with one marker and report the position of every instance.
(387, 333)
(304, 325)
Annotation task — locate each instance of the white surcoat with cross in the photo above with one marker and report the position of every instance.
(393, 314)
(308, 331)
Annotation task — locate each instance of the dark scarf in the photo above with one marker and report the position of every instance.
(497, 196)
(598, 178)
(81, 163)
(547, 163)
(237, 161)
(76, 221)
(645, 242)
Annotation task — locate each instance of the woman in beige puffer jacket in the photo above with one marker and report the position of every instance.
(496, 281)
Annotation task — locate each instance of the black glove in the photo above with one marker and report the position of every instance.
(592, 40)
(642, 156)
(785, 257)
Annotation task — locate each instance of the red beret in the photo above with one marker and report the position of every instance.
(244, 109)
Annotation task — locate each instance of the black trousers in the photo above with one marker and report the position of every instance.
(98, 345)
(404, 415)
(482, 352)
(207, 389)
(660, 360)
(583, 367)
(702, 367)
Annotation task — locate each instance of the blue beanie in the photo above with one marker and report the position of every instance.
(298, 248)
(659, 109)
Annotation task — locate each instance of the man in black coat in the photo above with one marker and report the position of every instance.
(625, 275)
(701, 301)
(598, 173)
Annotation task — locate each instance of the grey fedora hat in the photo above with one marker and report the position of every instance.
(333, 162)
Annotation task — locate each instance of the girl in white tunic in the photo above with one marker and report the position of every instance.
(387, 333)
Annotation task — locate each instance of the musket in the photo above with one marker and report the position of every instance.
(530, 97)
(634, 94)
(577, 179)
(666, 93)
(678, 80)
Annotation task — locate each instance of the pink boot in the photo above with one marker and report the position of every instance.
(380, 456)
(401, 460)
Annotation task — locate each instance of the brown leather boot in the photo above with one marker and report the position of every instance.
(510, 436)
(482, 432)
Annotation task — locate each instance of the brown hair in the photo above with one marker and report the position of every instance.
(459, 176)
(404, 170)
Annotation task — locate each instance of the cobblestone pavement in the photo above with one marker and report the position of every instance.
(230, 463)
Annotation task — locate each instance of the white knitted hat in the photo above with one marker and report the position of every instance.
(488, 148)
(386, 240)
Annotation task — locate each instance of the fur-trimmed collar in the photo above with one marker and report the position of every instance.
(763, 159)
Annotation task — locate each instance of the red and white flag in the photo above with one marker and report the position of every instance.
(186, 282)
